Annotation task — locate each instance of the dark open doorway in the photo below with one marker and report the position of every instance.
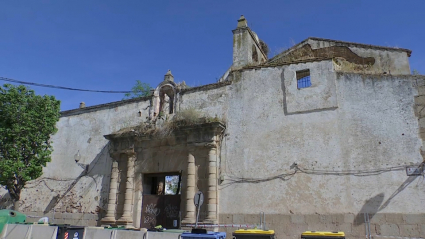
(161, 200)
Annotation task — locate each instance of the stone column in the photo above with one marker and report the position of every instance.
(190, 188)
(212, 184)
(112, 200)
(127, 218)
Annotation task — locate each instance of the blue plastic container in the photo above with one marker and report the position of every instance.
(216, 235)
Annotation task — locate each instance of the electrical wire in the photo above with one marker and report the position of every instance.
(298, 169)
(62, 87)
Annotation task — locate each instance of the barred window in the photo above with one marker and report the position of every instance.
(303, 79)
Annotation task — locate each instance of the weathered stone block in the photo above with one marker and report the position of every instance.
(409, 230)
(422, 227)
(378, 218)
(359, 219)
(226, 218)
(278, 219)
(414, 218)
(88, 216)
(349, 218)
(252, 218)
(77, 216)
(312, 219)
(420, 100)
(375, 229)
(297, 218)
(238, 218)
(338, 218)
(344, 227)
(295, 229)
(357, 231)
(390, 230)
(394, 218)
(326, 219)
(421, 90)
(67, 215)
(60, 221)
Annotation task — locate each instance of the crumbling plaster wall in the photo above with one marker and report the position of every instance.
(365, 122)
(64, 186)
(373, 126)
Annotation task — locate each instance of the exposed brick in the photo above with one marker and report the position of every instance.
(390, 230)
(409, 230)
(414, 218)
(394, 218)
(297, 218)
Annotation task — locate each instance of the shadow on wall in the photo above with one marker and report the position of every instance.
(374, 205)
(95, 168)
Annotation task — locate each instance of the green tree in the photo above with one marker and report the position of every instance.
(26, 122)
(139, 90)
(415, 72)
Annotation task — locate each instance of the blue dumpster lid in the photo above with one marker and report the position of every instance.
(217, 235)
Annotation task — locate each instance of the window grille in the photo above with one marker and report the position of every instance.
(303, 79)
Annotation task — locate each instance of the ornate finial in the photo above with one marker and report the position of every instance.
(168, 76)
(242, 22)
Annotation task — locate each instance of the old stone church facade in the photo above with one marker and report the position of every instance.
(315, 138)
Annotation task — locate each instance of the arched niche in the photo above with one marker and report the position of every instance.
(165, 99)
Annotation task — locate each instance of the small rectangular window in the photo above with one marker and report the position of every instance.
(303, 79)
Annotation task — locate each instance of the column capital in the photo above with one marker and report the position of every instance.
(128, 152)
(208, 144)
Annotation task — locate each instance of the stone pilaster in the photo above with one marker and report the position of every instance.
(190, 188)
(212, 184)
(112, 200)
(127, 218)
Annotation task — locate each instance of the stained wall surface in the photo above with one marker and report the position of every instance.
(349, 134)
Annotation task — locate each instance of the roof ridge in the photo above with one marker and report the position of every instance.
(409, 52)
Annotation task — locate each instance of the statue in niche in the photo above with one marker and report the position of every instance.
(165, 105)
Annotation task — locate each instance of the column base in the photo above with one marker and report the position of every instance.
(210, 221)
(188, 221)
(110, 221)
(125, 221)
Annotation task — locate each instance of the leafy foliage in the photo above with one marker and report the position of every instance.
(26, 122)
(139, 90)
(415, 72)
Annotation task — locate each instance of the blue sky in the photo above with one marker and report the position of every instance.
(108, 45)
